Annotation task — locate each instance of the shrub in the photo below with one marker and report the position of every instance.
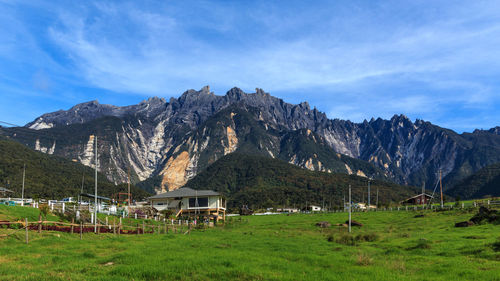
(496, 246)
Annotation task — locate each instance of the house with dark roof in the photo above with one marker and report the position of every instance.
(420, 199)
(189, 202)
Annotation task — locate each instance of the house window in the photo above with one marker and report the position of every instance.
(202, 202)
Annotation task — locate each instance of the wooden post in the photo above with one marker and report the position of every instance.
(40, 223)
(120, 226)
(114, 226)
(142, 227)
(26, 220)
(72, 222)
(81, 229)
(165, 226)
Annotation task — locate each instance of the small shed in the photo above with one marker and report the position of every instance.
(420, 199)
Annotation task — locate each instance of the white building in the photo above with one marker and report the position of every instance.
(315, 208)
(187, 201)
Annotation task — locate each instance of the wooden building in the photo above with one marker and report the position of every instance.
(190, 202)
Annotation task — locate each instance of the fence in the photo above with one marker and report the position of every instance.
(117, 227)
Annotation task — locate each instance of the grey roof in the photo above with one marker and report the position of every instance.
(88, 195)
(3, 189)
(185, 192)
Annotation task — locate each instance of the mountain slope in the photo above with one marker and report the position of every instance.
(179, 138)
(263, 182)
(485, 182)
(50, 176)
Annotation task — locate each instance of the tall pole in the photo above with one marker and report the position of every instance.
(368, 209)
(349, 208)
(129, 190)
(81, 190)
(95, 191)
(22, 192)
(423, 194)
(343, 194)
(441, 186)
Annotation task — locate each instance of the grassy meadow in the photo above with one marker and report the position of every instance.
(390, 246)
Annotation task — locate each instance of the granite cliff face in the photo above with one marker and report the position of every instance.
(173, 141)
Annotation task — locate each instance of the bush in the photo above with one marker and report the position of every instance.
(496, 246)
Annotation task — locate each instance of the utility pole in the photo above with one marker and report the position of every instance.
(368, 209)
(343, 200)
(423, 195)
(95, 191)
(349, 208)
(441, 186)
(81, 190)
(22, 192)
(129, 190)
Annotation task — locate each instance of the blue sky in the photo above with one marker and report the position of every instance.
(432, 60)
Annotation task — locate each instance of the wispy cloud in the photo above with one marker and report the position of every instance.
(360, 59)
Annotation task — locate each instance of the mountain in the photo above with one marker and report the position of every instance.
(170, 142)
(485, 182)
(49, 176)
(261, 182)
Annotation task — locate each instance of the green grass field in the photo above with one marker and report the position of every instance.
(390, 246)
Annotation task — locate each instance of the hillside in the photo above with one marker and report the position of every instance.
(263, 182)
(49, 176)
(485, 182)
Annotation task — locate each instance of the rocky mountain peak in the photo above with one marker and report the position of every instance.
(235, 94)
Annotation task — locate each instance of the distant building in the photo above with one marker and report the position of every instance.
(315, 208)
(187, 201)
(4, 191)
(287, 210)
(420, 199)
(364, 206)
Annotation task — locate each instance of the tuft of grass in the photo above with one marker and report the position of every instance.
(88, 255)
(346, 239)
(364, 259)
(367, 237)
(421, 244)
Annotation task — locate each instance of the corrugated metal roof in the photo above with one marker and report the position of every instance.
(185, 192)
(92, 196)
(3, 189)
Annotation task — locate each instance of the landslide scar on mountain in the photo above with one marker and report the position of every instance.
(232, 141)
(174, 173)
